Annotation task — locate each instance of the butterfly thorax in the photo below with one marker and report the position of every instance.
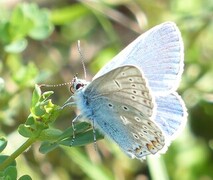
(78, 87)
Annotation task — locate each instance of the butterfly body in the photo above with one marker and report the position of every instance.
(133, 100)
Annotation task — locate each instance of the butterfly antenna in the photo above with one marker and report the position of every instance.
(82, 58)
(55, 85)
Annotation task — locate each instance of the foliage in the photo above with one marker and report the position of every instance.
(38, 43)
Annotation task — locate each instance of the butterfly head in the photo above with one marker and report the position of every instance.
(78, 84)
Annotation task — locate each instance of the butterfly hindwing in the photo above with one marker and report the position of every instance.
(171, 114)
(135, 134)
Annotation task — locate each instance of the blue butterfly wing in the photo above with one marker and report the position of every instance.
(136, 135)
(171, 114)
(158, 53)
(120, 105)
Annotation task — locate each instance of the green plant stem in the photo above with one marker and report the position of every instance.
(20, 150)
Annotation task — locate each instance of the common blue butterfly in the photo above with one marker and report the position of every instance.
(133, 100)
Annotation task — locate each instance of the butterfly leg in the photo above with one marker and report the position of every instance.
(68, 103)
(94, 135)
(73, 127)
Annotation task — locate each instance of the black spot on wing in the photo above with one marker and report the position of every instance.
(117, 83)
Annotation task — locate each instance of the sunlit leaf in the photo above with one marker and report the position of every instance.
(16, 46)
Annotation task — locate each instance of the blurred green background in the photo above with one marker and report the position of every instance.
(38, 44)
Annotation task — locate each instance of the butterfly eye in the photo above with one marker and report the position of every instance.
(79, 86)
(74, 87)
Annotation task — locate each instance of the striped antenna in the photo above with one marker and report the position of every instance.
(82, 58)
(55, 85)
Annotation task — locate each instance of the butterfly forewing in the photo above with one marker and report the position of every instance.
(124, 83)
(121, 106)
(158, 53)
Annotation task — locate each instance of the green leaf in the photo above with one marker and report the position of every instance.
(82, 139)
(3, 143)
(47, 147)
(4, 157)
(25, 75)
(52, 112)
(68, 14)
(43, 112)
(25, 177)
(42, 25)
(36, 95)
(4, 32)
(30, 120)
(10, 173)
(50, 134)
(79, 128)
(16, 46)
(47, 94)
(83, 132)
(83, 135)
(26, 130)
(20, 22)
(38, 110)
(35, 22)
(42, 107)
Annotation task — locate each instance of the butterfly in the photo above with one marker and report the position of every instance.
(132, 100)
